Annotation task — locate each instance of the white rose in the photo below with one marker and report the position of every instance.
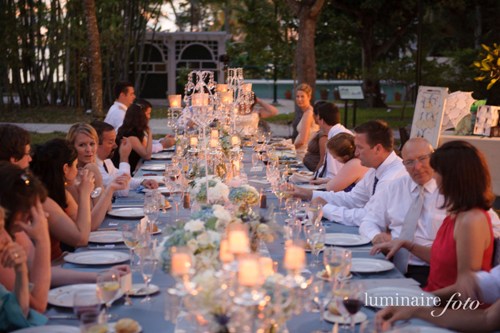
(194, 226)
(203, 239)
(214, 236)
(192, 244)
(221, 214)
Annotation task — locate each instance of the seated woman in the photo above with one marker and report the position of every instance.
(54, 163)
(158, 145)
(136, 128)
(23, 197)
(306, 127)
(464, 242)
(342, 148)
(15, 309)
(83, 137)
(316, 149)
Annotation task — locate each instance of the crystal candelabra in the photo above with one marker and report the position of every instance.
(242, 95)
(174, 111)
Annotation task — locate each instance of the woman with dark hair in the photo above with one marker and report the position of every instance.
(342, 148)
(464, 242)
(15, 309)
(22, 196)
(135, 127)
(69, 221)
(316, 148)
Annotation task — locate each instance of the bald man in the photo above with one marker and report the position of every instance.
(386, 216)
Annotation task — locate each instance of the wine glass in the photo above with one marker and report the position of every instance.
(85, 301)
(317, 241)
(108, 286)
(96, 192)
(352, 299)
(315, 213)
(291, 205)
(152, 206)
(334, 259)
(322, 296)
(148, 267)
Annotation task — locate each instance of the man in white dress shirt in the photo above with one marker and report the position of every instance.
(329, 117)
(374, 147)
(106, 149)
(385, 218)
(124, 97)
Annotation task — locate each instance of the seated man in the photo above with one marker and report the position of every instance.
(374, 147)
(389, 214)
(105, 150)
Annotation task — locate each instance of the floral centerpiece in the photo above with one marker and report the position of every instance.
(217, 192)
(244, 196)
(201, 235)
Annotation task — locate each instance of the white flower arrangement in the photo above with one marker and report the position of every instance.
(244, 194)
(218, 192)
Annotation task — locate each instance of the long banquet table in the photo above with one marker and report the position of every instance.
(151, 315)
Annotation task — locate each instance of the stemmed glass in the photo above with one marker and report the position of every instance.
(349, 299)
(108, 286)
(322, 296)
(96, 192)
(291, 205)
(315, 213)
(152, 207)
(316, 239)
(335, 260)
(148, 267)
(131, 237)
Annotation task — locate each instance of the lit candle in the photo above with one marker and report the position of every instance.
(199, 99)
(246, 87)
(249, 272)
(295, 257)
(235, 140)
(213, 143)
(236, 166)
(180, 263)
(225, 255)
(226, 97)
(266, 266)
(174, 101)
(238, 241)
(214, 134)
(221, 87)
(193, 141)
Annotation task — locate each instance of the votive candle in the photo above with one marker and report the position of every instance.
(249, 272)
(295, 257)
(174, 101)
(180, 264)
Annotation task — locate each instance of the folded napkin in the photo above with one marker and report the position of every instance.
(300, 178)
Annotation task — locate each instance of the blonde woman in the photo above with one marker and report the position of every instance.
(306, 127)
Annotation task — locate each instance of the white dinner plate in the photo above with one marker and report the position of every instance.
(105, 237)
(111, 328)
(368, 265)
(96, 257)
(127, 212)
(358, 318)
(49, 329)
(153, 167)
(162, 156)
(381, 297)
(63, 296)
(312, 186)
(139, 289)
(158, 179)
(419, 329)
(345, 239)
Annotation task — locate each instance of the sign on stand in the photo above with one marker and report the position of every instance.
(353, 93)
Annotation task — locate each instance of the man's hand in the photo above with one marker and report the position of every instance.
(150, 183)
(302, 193)
(168, 141)
(381, 238)
(318, 200)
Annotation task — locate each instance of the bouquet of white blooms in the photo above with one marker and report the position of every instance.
(218, 192)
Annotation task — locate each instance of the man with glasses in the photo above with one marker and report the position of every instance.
(386, 217)
(15, 145)
(410, 208)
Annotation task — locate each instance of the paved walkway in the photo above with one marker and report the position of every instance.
(159, 126)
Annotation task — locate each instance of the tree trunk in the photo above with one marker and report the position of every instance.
(95, 59)
(305, 57)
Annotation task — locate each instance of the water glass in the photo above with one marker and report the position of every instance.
(148, 267)
(85, 301)
(92, 322)
(108, 286)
